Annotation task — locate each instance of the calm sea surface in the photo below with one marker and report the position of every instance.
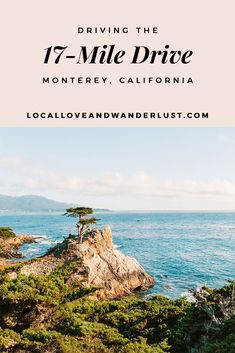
(181, 250)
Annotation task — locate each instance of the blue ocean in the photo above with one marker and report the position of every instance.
(181, 250)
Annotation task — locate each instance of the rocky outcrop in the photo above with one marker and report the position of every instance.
(98, 263)
(9, 247)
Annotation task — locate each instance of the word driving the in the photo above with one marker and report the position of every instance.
(108, 54)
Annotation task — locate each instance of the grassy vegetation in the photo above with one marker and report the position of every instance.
(47, 314)
(6, 232)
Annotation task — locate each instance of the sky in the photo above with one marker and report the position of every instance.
(122, 168)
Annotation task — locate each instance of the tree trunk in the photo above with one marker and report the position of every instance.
(79, 227)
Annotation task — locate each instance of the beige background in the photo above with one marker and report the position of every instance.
(206, 27)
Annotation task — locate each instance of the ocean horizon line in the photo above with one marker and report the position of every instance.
(100, 210)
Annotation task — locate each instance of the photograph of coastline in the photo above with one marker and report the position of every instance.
(151, 231)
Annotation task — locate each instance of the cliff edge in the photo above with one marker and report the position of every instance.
(9, 247)
(97, 263)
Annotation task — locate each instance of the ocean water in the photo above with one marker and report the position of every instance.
(181, 250)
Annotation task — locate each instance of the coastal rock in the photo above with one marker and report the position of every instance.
(9, 247)
(98, 263)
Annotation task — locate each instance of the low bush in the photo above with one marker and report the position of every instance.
(6, 232)
(49, 314)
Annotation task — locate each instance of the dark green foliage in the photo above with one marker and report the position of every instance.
(49, 314)
(6, 232)
(41, 289)
(83, 221)
(87, 221)
(78, 211)
(81, 213)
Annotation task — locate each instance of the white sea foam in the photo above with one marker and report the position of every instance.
(32, 250)
(117, 246)
(188, 295)
(39, 236)
(48, 242)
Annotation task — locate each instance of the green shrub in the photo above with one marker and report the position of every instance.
(8, 339)
(47, 313)
(6, 232)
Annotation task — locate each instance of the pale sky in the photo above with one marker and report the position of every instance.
(122, 168)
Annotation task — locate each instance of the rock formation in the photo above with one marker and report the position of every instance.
(98, 263)
(9, 248)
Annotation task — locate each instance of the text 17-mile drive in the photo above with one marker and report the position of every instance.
(108, 54)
